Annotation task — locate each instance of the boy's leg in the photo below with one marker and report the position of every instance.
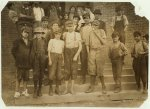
(114, 70)
(144, 74)
(50, 88)
(92, 84)
(66, 86)
(136, 68)
(84, 63)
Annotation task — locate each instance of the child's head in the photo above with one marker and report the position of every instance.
(115, 36)
(38, 32)
(66, 15)
(45, 21)
(97, 13)
(146, 37)
(25, 32)
(72, 9)
(58, 33)
(76, 19)
(69, 25)
(95, 24)
(88, 9)
(119, 10)
(55, 25)
(137, 36)
(10, 5)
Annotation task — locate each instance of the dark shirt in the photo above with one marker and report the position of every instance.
(21, 53)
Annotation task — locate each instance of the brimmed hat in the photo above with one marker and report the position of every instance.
(38, 30)
(118, 8)
(69, 23)
(44, 18)
(97, 11)
(25, 29)
(96, 22)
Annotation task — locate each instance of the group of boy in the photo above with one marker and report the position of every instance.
(46, 44)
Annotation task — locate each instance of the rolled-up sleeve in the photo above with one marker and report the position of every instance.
(125, 20)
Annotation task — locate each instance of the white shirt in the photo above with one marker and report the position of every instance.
(72, 39)
(56, 46)
(38, 13)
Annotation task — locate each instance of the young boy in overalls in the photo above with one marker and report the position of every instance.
(73, 48)
(117, 51)
(55, 55)
(120, 23)
(96, 50)
(140, 49)
(21, 53)
(38, 56)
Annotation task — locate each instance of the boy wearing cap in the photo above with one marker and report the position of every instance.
(85, 31)
(55, 55)
(38, 56)
(21, 52)
(72, 50)
(102, 24)
(120, 23)
(117, 51)
(138, 52)
(95, 44)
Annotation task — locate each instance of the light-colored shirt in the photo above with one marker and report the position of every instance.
(56, 46)
(92, 40)
(72, 39)
(138, 48)
(85, 31)
(38, 13)
(118, 18)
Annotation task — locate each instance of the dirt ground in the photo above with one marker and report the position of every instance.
(8, 92)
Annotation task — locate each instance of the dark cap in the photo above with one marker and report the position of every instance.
(97, 11)
(44, 18)
(96, 22)
(118, 8)
(115, 34)
(25, 29)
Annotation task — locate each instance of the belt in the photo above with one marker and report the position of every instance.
(96, 49)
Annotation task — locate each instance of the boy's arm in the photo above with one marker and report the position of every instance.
(49, 52)
(79, 50)
(14, 49)
(124, 49)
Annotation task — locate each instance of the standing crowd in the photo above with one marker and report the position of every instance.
(60, 38)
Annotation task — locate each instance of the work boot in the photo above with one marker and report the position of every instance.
(83, 80)
(57, 90)
(50, 90)
(90, 89)
(35, 93)
(104, 90)
(39, 93)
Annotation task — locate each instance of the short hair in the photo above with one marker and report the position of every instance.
(136, 33)
(115, 34)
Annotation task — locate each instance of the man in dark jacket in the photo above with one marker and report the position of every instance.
(21, 53)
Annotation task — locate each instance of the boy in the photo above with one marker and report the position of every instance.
(21, 52)
(95, 45)
(120, 23)
(85, 31)
(38, 60)
(55, 55)
(73, 48)
(117, 51)
(138, 53)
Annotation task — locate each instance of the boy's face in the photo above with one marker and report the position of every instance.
(58, 35)
(66, 16)
(55, 26)
(97, 16)
(44, 23)
(38, 34)
(119, 12)
(75, 20)
(70, 28)
(95, 27)
(137, 38)
(25, 34)
(115, 39)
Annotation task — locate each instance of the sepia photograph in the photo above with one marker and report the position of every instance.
(74, 54)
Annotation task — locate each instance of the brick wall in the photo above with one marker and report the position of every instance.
(108, 10)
